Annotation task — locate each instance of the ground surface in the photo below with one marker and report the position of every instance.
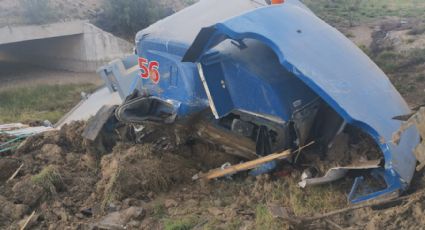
(29, 93)
(70, 182)
(113, 183)
(391, 32)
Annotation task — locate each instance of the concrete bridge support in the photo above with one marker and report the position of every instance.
(75, 46)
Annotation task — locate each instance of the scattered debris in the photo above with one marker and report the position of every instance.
(119, 220)
(305, 221)
(278, 211)
(92, 188)
(28, 221)
(13, 126)
(338, 173)
(144, 152)
(417, 120)
(15, 173)
(92, 130)
(12, 134)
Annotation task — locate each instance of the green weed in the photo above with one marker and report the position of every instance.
(179, 224)
(50, 179)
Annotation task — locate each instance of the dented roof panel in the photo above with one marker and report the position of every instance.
(183, 26)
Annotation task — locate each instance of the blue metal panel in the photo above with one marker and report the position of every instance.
(334, 68)
(255, 80)
(218, 89)
(179, 81)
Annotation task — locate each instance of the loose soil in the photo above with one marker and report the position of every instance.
(116, 183)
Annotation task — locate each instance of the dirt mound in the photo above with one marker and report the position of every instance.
(138, 172)
(68, 180)
(72, 183)
(7, 168)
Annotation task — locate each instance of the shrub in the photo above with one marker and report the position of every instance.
(415, 57)
(389, 61)
(420, 78)
(127, 17)
(418, 29)
(38, 11)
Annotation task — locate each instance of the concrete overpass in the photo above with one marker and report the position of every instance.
(75, 46)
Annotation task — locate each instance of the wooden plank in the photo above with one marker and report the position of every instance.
(28, 220)
(16, 173)
(240, 146)
(216, 173)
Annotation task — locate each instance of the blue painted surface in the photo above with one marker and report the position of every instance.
(179, 81)
(315, 60)
(251, 79)
(338, 71)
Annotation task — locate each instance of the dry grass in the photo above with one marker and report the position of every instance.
(359, 11)
(43, 102)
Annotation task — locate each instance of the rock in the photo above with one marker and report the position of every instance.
(112, 207)
(119, 220)
(135, 213)
(88, 212)
(169, 203)
(134, 224)
(215, 211)
(79, 216)
(278, 211)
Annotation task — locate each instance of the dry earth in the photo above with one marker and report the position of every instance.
(114, 183)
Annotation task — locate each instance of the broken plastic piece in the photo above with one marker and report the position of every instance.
(338, 173)
(416, 119)
(147, 109)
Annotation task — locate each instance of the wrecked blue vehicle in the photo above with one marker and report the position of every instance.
(258, 79)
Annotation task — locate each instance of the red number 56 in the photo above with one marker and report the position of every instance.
(149, 69)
